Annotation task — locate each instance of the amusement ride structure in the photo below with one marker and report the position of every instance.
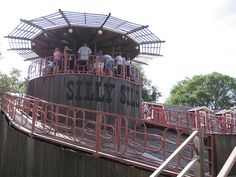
(99, 110)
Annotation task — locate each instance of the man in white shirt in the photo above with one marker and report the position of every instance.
(119, 63)
(84, 53)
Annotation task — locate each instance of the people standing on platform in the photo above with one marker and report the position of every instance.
(57, 59)
(84, 53)
(146, 111)
(133, 71)
(99, 65)
(119, 60)
(127, 64)
(49, 67)
(109, 64)
(67, 50)
(68, 63)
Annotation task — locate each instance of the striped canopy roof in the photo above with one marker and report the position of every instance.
(36, 38)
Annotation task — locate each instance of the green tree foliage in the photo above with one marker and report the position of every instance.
(214, 90)
(1, 51)
(12, 83)
(150, 92)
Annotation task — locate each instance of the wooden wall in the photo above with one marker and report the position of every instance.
(102, 93)
(224, 144)
(23, 156)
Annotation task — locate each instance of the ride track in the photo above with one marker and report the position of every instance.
(122, 138)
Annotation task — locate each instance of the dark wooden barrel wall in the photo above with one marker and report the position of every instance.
(102, 93)
(25, 156)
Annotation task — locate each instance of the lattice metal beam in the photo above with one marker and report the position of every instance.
(50, 21)
(33, 58)
(93, 38)
(39, 27)
(151, 42)
(65, 18)
(137, 29)
(32, 24)
(54, 27)
(105, 20)
(13, 49)
(14, 37)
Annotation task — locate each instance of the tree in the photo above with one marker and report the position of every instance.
(0, 51)
(17, 86)
(1, 55)
(5, 82)
(150, 92)
(214, 90)
(12, 83)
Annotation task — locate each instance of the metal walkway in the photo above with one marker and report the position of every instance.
(132, 141)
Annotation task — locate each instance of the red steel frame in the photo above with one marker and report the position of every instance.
(128, 71)
(118, 137)
(188, 120)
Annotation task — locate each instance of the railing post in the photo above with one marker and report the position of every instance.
(40, 67)
(34, 117)
(199, 145)
(98, 119)
(174, 154)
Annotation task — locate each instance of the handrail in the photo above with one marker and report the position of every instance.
(96, 131)
(159, 170)
(71, 63)
(188, 167)
(183, 119)
(228, 164)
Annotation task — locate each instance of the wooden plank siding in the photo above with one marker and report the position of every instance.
(107, 94)
(24, 156)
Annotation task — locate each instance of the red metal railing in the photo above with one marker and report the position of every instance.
(126, 139)
(72, 64)
(210, 123)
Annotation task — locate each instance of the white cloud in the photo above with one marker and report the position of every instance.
(200, 39)
(200, 35)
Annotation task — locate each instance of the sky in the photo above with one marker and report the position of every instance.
(200, 35)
